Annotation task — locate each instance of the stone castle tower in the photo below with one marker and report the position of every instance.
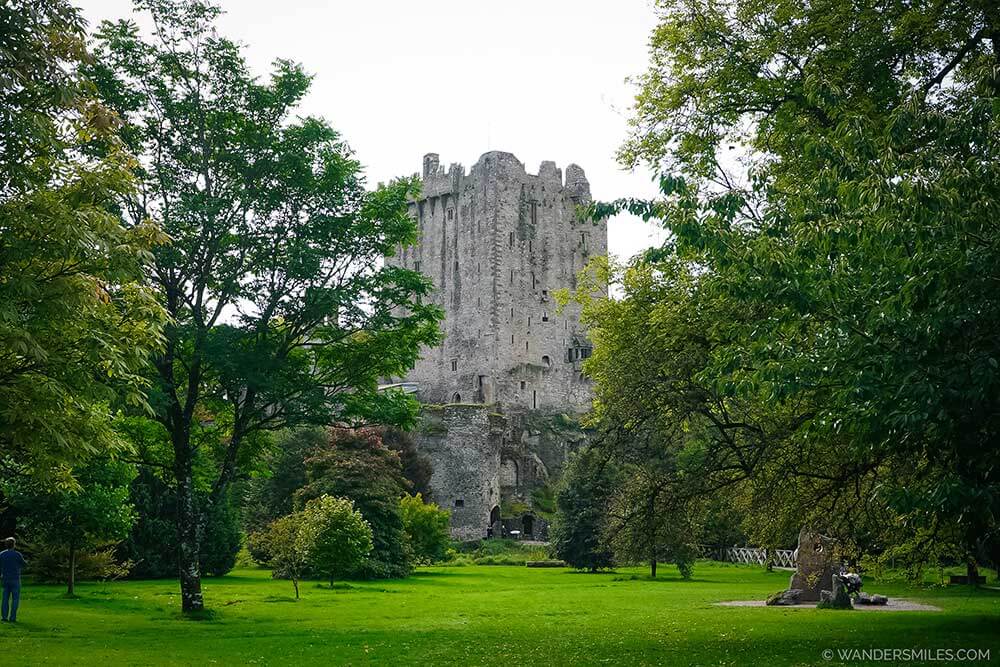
(497, 242)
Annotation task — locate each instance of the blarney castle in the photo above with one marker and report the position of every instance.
(502, 395)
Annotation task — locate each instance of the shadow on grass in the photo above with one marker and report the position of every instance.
(202, 616)
(668, 579)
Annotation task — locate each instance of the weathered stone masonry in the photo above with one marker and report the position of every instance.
(498, 242)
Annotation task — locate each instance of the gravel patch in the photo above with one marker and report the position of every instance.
(895, 604)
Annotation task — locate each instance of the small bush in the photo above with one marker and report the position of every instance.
(426, 527)
(50, 564)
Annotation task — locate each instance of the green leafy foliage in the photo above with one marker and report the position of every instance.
(152, 542)
(357, 466)
(582, 511)
(51, 563)
(77, 322)
(335, 535)
(287, 545)
(269, 492)
(427, 528)
(90, 518)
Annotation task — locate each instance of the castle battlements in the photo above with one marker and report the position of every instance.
(437, 180)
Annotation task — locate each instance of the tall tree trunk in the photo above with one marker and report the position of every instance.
(188, 541)
(71, 587)
(295, 582)
(652, 568)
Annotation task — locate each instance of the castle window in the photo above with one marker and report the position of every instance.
(451, 213)
(525, 346)
(534, 212)
(546, 361)
(529, 320)
(545, 317)
(454, 365)
(457, 398)
(416, 265)
(529, 245)
(510, 240)
(459, 502)
(512, 276)
(512, 339)
(523, 384)
(534, 399)
(456, 266)
(532, 280)
(512, 313)
(545, 292)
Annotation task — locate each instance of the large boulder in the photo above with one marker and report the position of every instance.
(787, 598)
(839, 597)
(815, 565)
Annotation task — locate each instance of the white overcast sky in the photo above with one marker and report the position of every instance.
(543, 79)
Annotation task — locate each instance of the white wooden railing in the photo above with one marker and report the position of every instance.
(752, 556)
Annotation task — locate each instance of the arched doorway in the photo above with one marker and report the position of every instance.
(528, 525)
(494, 515)
(456, 398)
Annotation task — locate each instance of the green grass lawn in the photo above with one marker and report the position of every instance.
(481, 615)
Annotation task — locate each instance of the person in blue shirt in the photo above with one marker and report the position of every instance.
(11, 564)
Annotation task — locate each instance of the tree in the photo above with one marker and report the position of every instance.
(647, 523)
(76, 323)
(417, 468)
(338, 537)
(846, 289)
(152, 542)
(581, 512)
(357, 466)
(289, 545)
(282, 313)
(427, 528)
(93, 516)
(271, 492)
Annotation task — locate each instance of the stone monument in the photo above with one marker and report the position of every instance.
(815, 565)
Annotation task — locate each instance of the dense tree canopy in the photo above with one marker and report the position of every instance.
(75, 521)
(76, 323)
(583, 501)
(359, 467)
(336, 536)
(831, 183)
